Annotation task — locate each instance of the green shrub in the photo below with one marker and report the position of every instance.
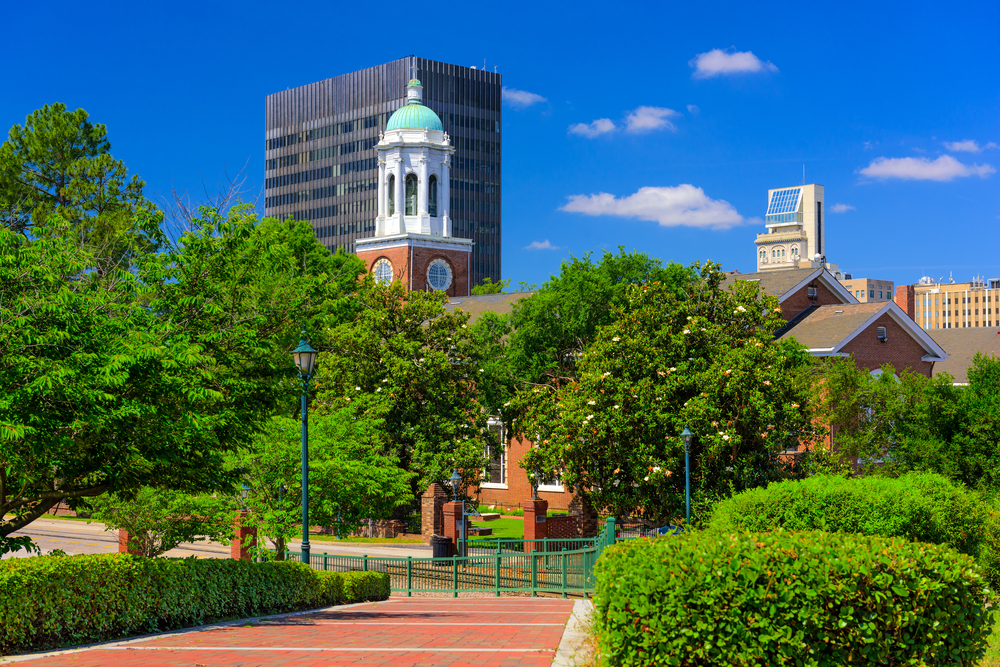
(918, 506)
(53, 601)
(780, 598)
(365, 586)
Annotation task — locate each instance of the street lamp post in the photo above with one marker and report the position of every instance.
(456, 482)
(686, 436)
(305, 360)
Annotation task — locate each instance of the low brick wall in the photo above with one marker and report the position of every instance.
(562, 527)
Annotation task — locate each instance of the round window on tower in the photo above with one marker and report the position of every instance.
(382, 271)
(439, 275)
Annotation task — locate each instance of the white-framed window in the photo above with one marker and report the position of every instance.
(439, 275)
(551, 485)
(383, 271)
(495, 475)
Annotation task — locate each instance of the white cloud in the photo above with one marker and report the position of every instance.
(646, 119)
(842, 208)
(594, 129)
(693, 109)
(520, 99)
(541, 245)
(683, 205)
(720, 63)
(945, 168)
(967, 146)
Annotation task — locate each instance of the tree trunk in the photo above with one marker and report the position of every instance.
(279, 548)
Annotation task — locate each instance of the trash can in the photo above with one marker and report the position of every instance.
(440, 549)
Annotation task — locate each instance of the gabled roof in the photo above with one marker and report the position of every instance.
(478, 304)
(787, 282)
(962, 345)
(825, 330)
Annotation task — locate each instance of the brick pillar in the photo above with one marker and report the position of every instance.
(535, 525)
(431, 516)
(123, 544)
(906, 299)
(453, 523)
(585, 514)
(244, 538)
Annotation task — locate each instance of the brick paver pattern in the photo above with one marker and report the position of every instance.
(400, 632)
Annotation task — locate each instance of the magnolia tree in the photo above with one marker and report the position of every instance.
(700, 356)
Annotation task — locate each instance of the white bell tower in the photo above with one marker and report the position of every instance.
(414, 171)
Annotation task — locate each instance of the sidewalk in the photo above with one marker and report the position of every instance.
(400, 632)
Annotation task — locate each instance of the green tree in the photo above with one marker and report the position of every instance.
(351, 477)
(490, 287)
(553, 327)
(407, 349)
(158, 520)
(59, 163)
(673, 355)
(154, 372)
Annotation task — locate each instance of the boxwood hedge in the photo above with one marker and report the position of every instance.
(780, 598)
(54, 601)
(920, 506)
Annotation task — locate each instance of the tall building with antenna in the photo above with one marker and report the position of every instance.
(795, 232)
(321, 160)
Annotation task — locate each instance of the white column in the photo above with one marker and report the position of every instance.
(401, 195)
(422, 188)
(444, 198)
(382, 204)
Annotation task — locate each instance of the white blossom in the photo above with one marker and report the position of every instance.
(591, 402)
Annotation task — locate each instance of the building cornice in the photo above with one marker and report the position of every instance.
(416, 241)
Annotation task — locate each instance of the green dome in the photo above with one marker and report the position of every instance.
(414, 115)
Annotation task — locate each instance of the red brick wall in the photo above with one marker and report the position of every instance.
(900, 350)
(800, 300)
(422, 258)
(562, 527)
(518, 486)
(906, 299)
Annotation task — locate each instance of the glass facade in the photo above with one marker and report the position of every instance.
(321, 162)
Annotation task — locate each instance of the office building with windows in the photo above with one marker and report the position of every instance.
(795, 234)
(867, 290)
(936, 305)
(321, 160)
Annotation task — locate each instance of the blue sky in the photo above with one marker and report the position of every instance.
(683, 114)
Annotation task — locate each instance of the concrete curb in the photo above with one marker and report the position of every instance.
(196, 628)
(573, 650)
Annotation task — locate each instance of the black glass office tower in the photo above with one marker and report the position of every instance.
(321, 165)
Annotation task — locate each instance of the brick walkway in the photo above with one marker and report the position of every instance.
(400, 632)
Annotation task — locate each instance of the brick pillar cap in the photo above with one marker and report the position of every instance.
(435, 489)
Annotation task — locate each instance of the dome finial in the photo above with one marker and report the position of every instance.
(414, 92)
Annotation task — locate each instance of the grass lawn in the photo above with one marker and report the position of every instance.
(992, 657)
(505, 528)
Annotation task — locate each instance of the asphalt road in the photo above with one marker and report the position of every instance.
(80, 537)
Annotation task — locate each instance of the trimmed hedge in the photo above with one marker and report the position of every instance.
(779, 598)
(365, 586)
(54, 601)
(919, 506)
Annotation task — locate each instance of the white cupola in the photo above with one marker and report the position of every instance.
(414, 168)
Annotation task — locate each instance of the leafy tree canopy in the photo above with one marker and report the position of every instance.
(428, 363)
(673, 354)
(158, 520)
(554, 326)
(352, 477)
(490, 287)
(149, 376)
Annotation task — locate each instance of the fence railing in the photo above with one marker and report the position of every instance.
(549, 567)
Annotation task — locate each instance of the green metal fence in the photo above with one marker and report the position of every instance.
(549, 567)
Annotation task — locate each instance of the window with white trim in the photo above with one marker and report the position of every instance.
(495, 475)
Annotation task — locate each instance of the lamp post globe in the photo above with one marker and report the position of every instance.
(686, 436)
(305, 360)
(455, 481)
